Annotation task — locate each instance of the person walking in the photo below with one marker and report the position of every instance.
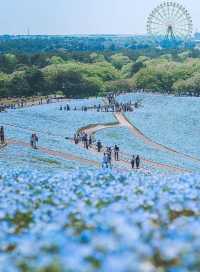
(109, 155)
(105, 161)
(99, 146)
(85, 140)
(2, 136)
(31, 141)
(76, 139)
(116, 152)
(34, 140)
(90, 141)
(133, 162)
(137, 161)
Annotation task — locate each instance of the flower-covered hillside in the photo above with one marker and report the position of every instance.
(98, 221)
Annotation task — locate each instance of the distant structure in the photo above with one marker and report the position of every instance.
(170, 21)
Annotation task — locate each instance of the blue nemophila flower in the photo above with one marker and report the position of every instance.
(109, 220)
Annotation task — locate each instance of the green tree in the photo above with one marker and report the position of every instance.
(119, 85)
(119, 60)
(4, 82)
(9, 63)
(56, 60)
(189, 86)
(94, 57)
(36, 81)
(18, 86)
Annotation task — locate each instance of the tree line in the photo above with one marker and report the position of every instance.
(83, 74)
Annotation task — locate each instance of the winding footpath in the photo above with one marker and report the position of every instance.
(54, 153)
(124, 157)
(121, 121)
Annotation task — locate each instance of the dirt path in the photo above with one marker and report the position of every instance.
(55, 153)
(122, 165)
(67, 156)
(92, 129)
(124, 157)
(123, 121)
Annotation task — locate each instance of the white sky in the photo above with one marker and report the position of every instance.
(82, 16)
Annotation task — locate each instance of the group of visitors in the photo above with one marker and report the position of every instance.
(111, 98)
(107, 157)
(65, 108)
(117, 107)
(112, 106)
(2, 135)
(34, 140)
(83, 108)
(68, 108)
(125, 107)
(4, 107)
(24, 103)
(135, 162)
(109, 152)
(83, 138)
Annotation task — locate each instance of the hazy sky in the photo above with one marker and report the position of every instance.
(82, 16)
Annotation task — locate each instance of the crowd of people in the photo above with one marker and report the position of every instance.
(65, 108)
(109, 153)
(117, 107)
(4, 107)
(23, 103)
(114, 152)
(112, 106)
(83, 138)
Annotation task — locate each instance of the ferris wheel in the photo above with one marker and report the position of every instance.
(170, 20)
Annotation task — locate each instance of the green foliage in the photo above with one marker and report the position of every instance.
(21, 221)
(189, 86)
(56, 60)
(4, 81)
(35, 80)
(167, 76)
(127, 70)
(119, 85)
(94, 57)
(18, 86)
(10, 62)
(79, 80)
(119, 60)
(25, 83)
(82, 74)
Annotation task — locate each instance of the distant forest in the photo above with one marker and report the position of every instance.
(40, 44)
(77, 72)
